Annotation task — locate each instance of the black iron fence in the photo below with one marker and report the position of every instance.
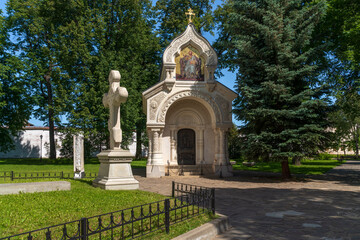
(188, 201)
(33, 175)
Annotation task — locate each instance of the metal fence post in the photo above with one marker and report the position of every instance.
(48, 235)
(83, 229)
(167, 215)
(173, 189)
(213, 200)
(62, 175)
(12, 175)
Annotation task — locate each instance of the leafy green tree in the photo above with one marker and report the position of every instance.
(340, 29)
(283, 105)
(70, 46)
(15, 104)
(37, 27)
(347, 120)
(173, 21)
(114, 35)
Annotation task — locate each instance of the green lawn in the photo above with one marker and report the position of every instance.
(30, 211)
(308, 167)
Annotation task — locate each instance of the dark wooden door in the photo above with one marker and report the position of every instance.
(186, 147)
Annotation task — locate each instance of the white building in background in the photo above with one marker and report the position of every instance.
(33, 142)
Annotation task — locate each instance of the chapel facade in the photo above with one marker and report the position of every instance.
(188, 111)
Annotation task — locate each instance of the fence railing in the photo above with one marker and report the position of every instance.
(188, 201)
(181, 189)
(33, 175)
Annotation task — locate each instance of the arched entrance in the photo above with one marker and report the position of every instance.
(186, 147)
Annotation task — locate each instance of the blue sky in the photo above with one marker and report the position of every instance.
(228, 79)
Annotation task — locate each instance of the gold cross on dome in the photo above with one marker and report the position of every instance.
(190, 13)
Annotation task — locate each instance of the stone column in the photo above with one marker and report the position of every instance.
(156, 168)
(115, 171)
(150, 149)
(216, 147)
(173, 153)
(221, 166)
(200, 146)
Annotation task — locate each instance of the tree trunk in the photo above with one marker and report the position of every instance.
(50, 117)
(356, 143)
(138, 154)
(285, 169)
(296, 161)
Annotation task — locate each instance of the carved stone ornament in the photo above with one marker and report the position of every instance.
(154, 103)
(190, 36)
(184, 94)
(224, 107)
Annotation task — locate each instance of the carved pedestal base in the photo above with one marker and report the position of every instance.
(155, 171)
(115, 171)
(79, 175)
(223, 170)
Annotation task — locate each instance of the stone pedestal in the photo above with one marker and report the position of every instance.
(155, 171)
(115, 171)
(223, 170)
(79, 175)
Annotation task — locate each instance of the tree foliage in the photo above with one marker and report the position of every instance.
(281, 102)
(118, 35)
(347, 121)
(173, 21)
(69, 48)
(38, 27)
(340, 29)
(15, 104)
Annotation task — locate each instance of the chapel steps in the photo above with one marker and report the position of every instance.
(188, 170)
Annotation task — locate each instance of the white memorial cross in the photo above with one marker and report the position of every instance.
(112, 100)
(115, 172)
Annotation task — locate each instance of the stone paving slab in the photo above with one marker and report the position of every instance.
(329, 206)
(31, 187)
(208, 230)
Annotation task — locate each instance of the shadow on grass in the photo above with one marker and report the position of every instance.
(86, 181)
(320, 163)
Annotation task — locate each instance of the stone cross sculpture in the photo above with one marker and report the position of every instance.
(115, 171)
(112, 100)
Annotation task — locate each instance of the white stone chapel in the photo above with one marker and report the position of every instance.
(188, 111)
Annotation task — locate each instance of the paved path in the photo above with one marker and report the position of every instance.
(324, 208)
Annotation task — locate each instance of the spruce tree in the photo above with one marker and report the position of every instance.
(281, 102)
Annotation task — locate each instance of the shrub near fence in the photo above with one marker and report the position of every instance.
(188, 201)
(33, 175)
